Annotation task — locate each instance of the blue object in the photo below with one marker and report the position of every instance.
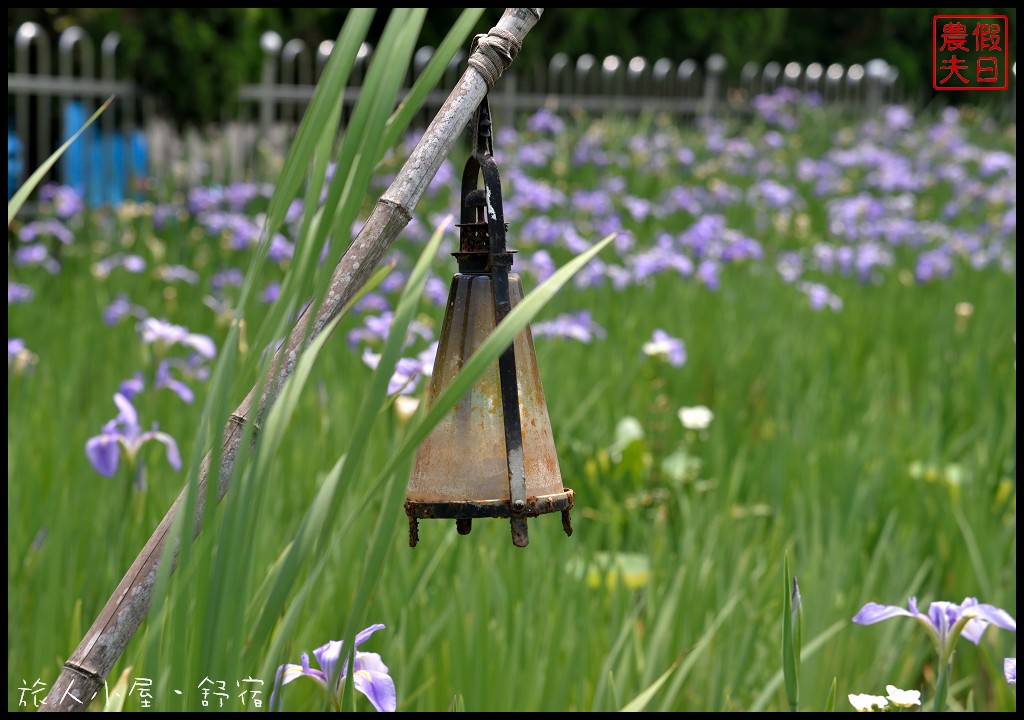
(99, 164)
(15, 161)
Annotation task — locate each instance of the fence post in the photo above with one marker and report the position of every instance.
(637, 77)
(27, 35)
(833, 76)
(770, 77)
(876, 73)
(748, 77)
(584, 66)
(558, 81)
(112, 170)
(81, 176)
(296, 71)
(791, 74)
(812, 78)
(854, 75)
(712, 82)
(270, 44)
(661, 78)
(612, 81)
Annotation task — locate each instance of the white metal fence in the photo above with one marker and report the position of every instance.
(51, 91)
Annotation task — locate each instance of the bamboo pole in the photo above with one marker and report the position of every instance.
(84, 673)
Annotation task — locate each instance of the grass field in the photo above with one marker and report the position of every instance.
(843, 290)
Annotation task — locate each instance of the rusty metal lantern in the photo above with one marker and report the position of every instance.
(493, 454)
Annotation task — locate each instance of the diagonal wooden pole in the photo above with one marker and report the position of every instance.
(84, 673)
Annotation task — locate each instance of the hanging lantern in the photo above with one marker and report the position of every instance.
(492, 455)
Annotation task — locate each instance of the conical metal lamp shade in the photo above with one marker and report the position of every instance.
(461, 469)
(492, 455)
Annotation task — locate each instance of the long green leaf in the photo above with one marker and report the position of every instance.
(214, 577)
(764, 697)
(319, 125)
(22, 193)
(375, 399)
(790, 661)
(641, 701)
(431, 74)
(288, 569)
(830, 701)
(363, 145)
(697, 653)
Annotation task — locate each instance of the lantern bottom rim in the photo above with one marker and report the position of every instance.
(499, 508)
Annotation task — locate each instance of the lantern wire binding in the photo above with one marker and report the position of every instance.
(483, 251)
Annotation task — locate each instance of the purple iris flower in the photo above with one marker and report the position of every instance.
(121, 308)
(436, 290)
(18, 293)
(790, 265)
(281, 249)
(154, 330)
(132, 386)
(944, 621)
(666, 347)
(123, 433)
(541, 264)
(238, 195)
(370, 676)
(1010, 670)
(821, 297)
(377, 303)
(933, 264)
(46, 228)
(579, 326)
(164, 379)
(708, 272)
(229, 277)
(131, 263)
(545, 120)
(194, 368)
(375, 328)
(15, 346)
(36, 254)
(270, 292)
(444, 178)
(204, 199)
(66, 200)
(406, 376)
(178, 273)
(164, 213)
(426, 359)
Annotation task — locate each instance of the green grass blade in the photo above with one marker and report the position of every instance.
(830, 701)
(431, 74)
(280, 580)
(21, 194)
(790, 661)
(363, 144)
(700, 648)
(640, 702)
(316, 133)
(764, 697)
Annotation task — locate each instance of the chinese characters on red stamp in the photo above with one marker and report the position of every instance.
(969, 52)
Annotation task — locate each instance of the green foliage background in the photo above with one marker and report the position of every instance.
(173, 52)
